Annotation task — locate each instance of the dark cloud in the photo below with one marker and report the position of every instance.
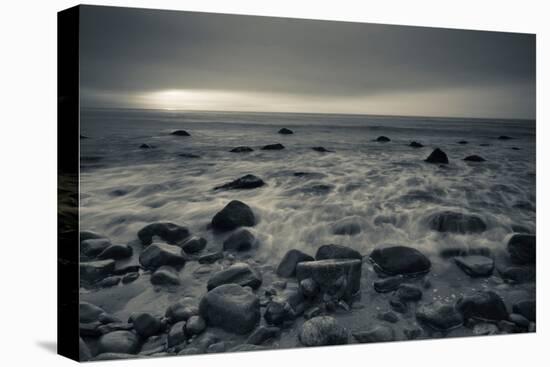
(127, 52)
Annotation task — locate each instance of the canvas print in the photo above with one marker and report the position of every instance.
(251, 183)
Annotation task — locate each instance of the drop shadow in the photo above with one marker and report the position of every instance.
(50, 346)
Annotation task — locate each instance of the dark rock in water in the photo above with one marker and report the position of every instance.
(233, 215)
(409, 293)
(347, 226)
(285, 131)
(147, 325)
(412, 333)
(462, 142)
(180, 311)
(398, 260)
(379, 333)
(188, 155)
(231, 307)
(485, 145)
(483, 305)
(241, 150)
(273, 147)
(176, 335)
(126, 268)
(519, 320)
(474, 158)
(323, 330)
(263, 334)
(89, 312)
(508, 327)
(476, 266)
(465, 251)
(439, 316)
(116, 252)
(438, 156)
(322, 150)
(455, 222)
(109, 281)
(336, 252)
(195, 325)
(240, 240)
(309, 288)
(244, 183)
(518, 274)
(93, 271)
(522, 248)
(383, 139)
(180, 133)
(165, 275)
(333, 275)
(145, 146)
(277, 313)
(246, 348)
(193, 245)
(83, 137)
(314, 189)
(168, 232)
(84, 353)
(158, 254)
(93, 246)
(504, 137)
(218, 347)
(515, 148)
(238, 273)
(89, 235)
(389, 317)
(416, 144)
(388, 284)
(118, 342)
(130, 277)
(527, 309)
(287, 266)
(211, 257)
(485, 328)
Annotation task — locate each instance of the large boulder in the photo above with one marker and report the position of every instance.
(439, 316)
(240, 240)
(455, 222)
(116, 251)
(438, 156)
(120, 341)
(233, 215)
(379, 333)
(336, 252)
(483, 305)
(146, 325)
(323, 330)
(523, 248)
(168, 232)
(475, 265)
(243, 183)
(158, 254)
(400, 260)
(165, 275)
(333, 275)
(287, 266)
(239, 273)
(232, 308)
(93, 271)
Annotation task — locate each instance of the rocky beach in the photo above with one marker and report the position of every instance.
(210, 232)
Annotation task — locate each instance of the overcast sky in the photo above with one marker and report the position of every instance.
(182, 60)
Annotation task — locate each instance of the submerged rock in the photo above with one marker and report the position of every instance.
(233, 215)
(165, 275)
(241, 150)
(323, 330)
(231, 307)
(455, 222)
(416, 144)
(379, 333)
(285, 131)
(188, 155)
(93, 271)
(147, 325)
(523, 248)
(475, 266)
(400, 260)
(244, 183)
(193, 245)
(483, 305)
(116, 251)
(346, 226)
(383, 139)
(485, 328)
(239, 273)
(322, 150)
(158, 254)
(439, 316)
(438, 156)
(287, 266)
(273, 147)
(474, 158)
(332, 275)
(89, 235)
(168, 232)
(118, 342)
(240, 240)
(462, 142)
(504, 137)
(145, 146)
(336, 252)
(180, 133)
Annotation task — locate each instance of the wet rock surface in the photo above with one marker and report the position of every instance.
(244, 183)
(438, 156)
(332, 275)
(159, 254)
(484, 305)
(439, 316)
(336, 252)
(287, 266)
(475, 265)
(233, 215)
(522, 248)
(240, 240)
(323, 330)
(400, 260)
(455, 222)
(239, 273)
(168, 232)
(125, 342)
(273, 147)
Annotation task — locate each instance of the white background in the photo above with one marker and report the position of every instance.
(28, 181)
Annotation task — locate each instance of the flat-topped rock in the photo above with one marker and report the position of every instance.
(322, 150)
(233, 215)
(166, 231)
(158, 254)
(475, 265)
(341, 275)
(456, 222)
(287, 266)
(238, 273)
(400, 260)
(89, 312)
